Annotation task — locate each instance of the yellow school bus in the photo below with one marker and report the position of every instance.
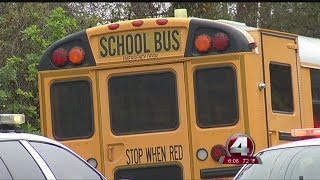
(158, 98)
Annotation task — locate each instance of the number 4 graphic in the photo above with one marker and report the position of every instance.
(240, 146)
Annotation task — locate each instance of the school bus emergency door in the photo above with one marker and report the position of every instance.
(282, 93)
(137, 138)
(63, 93)
(216, 110)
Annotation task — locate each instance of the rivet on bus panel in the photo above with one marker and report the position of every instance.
(137, 23)
(162, 21)
(113, 26)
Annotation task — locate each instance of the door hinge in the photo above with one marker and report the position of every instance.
(292, 46)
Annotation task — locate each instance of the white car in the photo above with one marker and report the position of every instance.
(295, 160)
(28, 156)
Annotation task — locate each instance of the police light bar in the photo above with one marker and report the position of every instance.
(13, 119)
(305, 132)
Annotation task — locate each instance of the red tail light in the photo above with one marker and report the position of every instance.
(59, 57)
(220, 41)
(217, 151)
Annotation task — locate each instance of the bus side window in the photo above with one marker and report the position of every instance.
(281, 87)
(315, 88)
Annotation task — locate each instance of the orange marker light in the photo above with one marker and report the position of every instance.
(203, 43)
(76, 55)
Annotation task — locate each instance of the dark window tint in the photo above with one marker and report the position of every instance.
(274, 164)
(172, 172)
(281, 88)
(19, 162)
(72, 109)
(64, 164)
(216, 96)
(143, 103)
(315, 85)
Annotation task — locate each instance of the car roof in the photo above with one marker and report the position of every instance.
(26, 136)
(4, 136)
(307, 142)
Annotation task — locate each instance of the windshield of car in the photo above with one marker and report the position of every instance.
(286, 163)
(17, 163)
(64, 164)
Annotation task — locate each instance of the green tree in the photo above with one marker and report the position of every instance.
(300, 18)
(113, 12)
(247, 13)
(18, 73)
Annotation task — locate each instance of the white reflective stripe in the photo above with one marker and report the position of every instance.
(42, 164)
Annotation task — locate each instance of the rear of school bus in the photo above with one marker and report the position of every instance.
(148, 99)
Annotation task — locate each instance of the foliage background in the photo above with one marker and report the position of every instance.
(28, 29)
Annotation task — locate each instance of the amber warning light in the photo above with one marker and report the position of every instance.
(240, 149)
(308, 132)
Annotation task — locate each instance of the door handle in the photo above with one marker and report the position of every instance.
(110, 151)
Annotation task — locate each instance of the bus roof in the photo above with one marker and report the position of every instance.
(154, 38)
(309, 56)
(308, 46)
(309, 50)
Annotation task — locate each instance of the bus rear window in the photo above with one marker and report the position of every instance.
(143, 103)
(216, 97)
(72, 111)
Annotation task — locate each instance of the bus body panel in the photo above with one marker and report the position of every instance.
(136, 43)
(85, 147)
(256, 121)
(306, 95)
(125, 151)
